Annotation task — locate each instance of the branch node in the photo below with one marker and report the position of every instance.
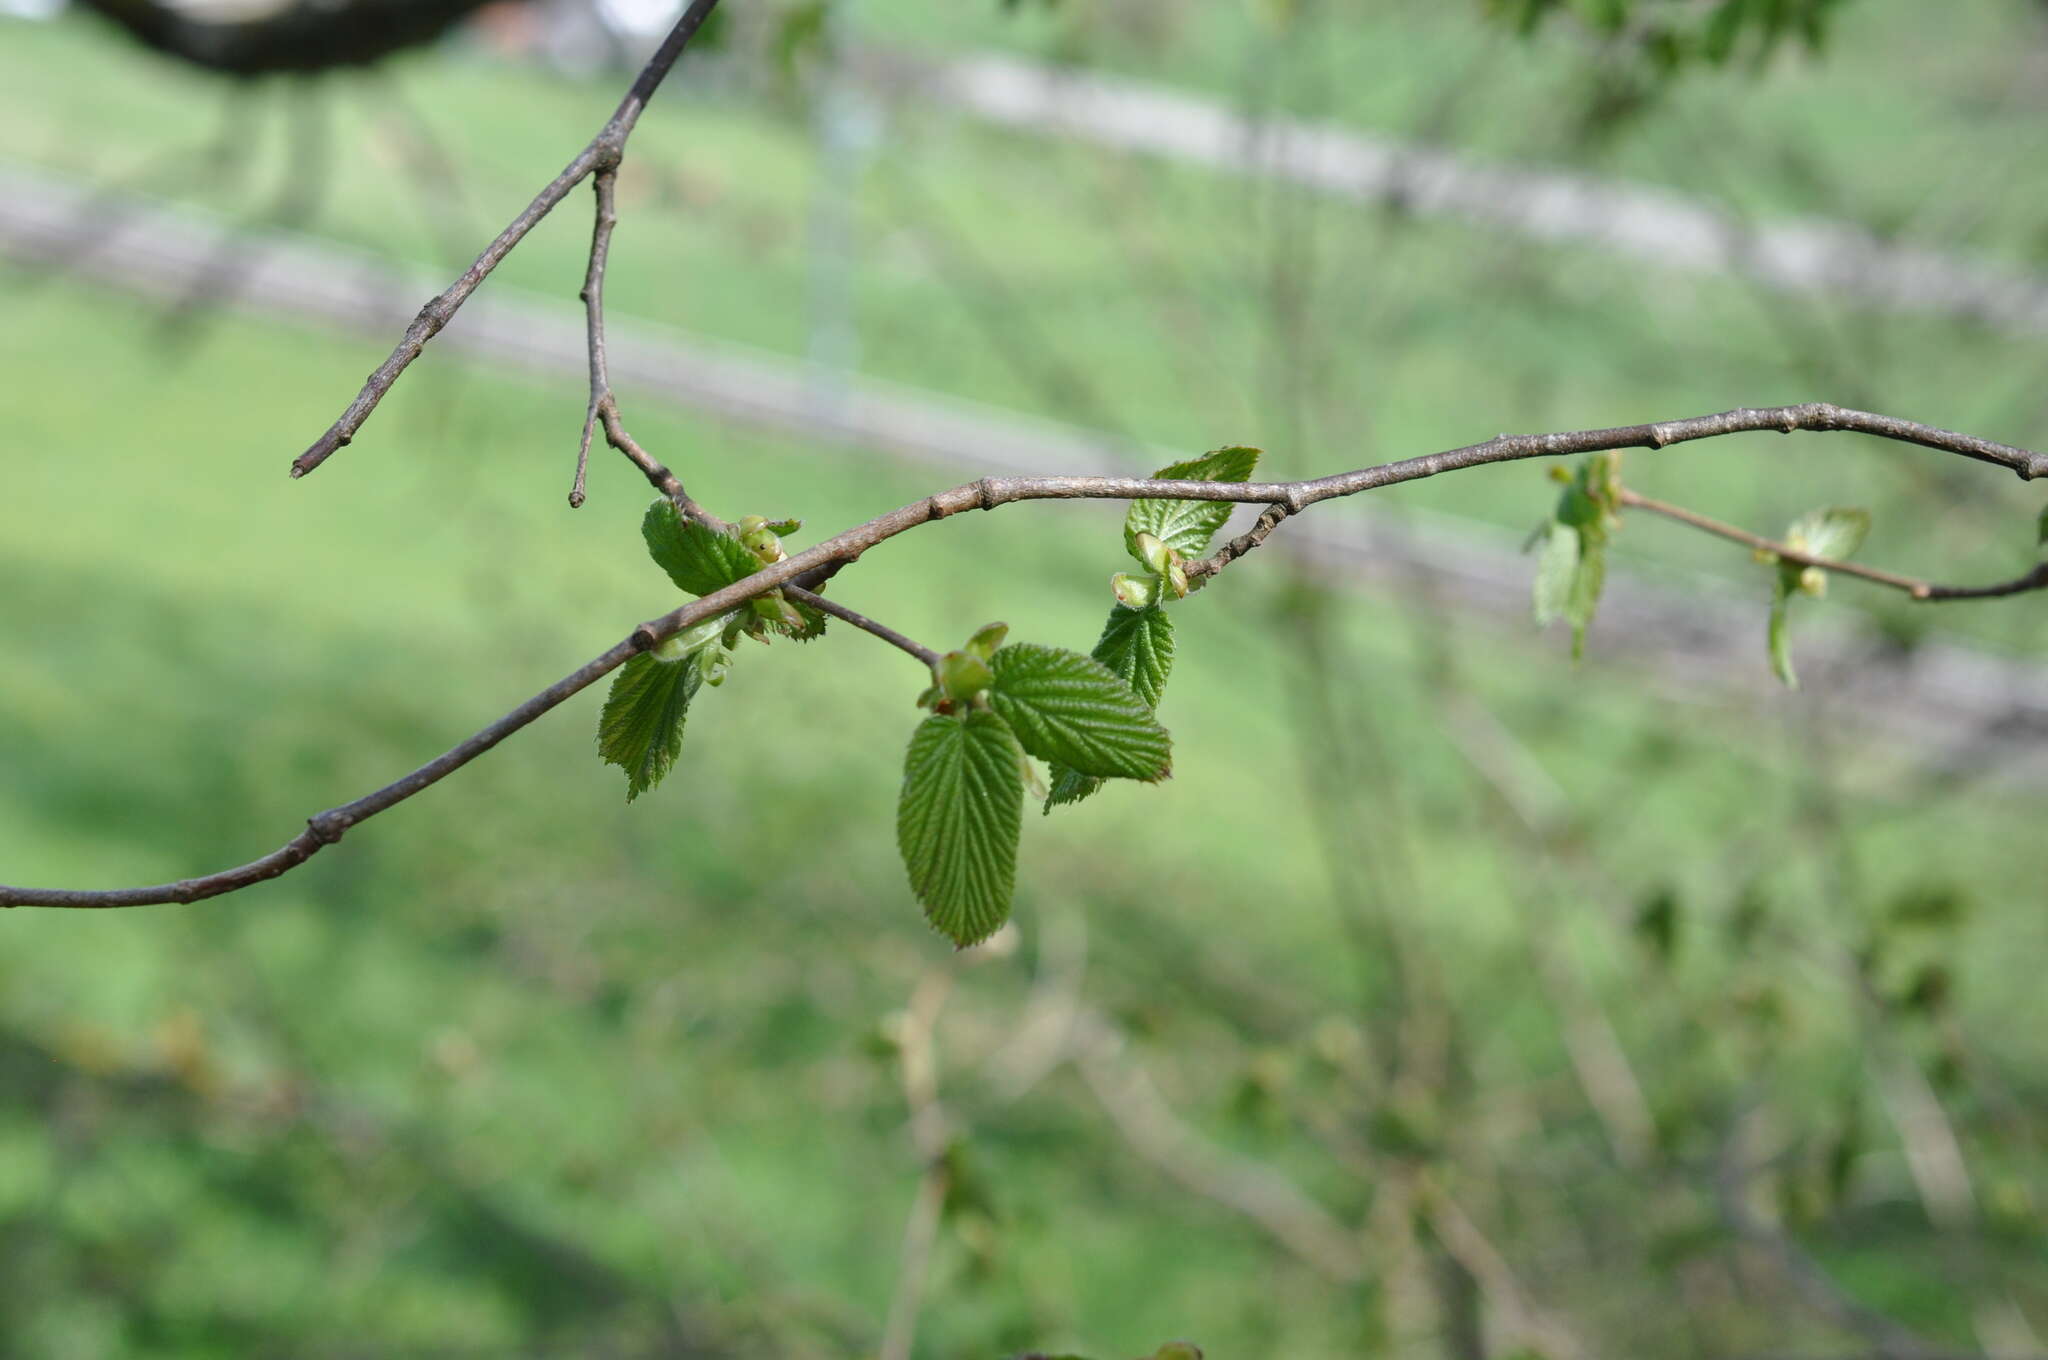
(327, 827)
(644, 639)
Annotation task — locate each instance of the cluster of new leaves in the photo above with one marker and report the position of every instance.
(1571, 568)
(641, 729)
(1091, 718)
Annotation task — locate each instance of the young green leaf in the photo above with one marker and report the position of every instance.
(957, 822)
(1572, 570)
(1186, 526)
(1137, 646)
(1785, 581)
(1071, 708)
(697, 559)
(1555, 567)
(641, 729)
(810, 629)
(1587, 583)
(1835, 532)
(1069, 785)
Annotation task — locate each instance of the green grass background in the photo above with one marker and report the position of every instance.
(517, 1068)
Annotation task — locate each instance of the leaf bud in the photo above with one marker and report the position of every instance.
(689, 640)
(759, 537)
(1813, 581)
(987, 638)
(962, 675)
(773, 609)
(1176, 575)
(1153, 553)
(1134, 592)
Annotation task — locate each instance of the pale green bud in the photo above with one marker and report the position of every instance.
(759, 536)
(689, 640)
(1152, 552)
(1134, 592)
(987, 638)
(962, 675)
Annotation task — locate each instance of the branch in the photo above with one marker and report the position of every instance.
(603, 154)
(2037, 579)
(604, 405)
(821, 559)
(861, 621)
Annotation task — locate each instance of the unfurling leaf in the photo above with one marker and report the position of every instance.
(1137, 646)
(697, 559)
(1072, 709)
(1186, 526)
(1555, 567)
(1587, 583)
(641, 729)
(986, 639)
(1785, 582)
(1134, 592)
(962, 675)
(1068, 786)
(1835, 532)
(1572, 570)
(810, 623)
(958, 820)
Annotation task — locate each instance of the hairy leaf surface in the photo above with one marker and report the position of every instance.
(1186, 526)
(641, 729)
(958, 819)
(697, 559)
(1137, 646)
(1072, 709)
